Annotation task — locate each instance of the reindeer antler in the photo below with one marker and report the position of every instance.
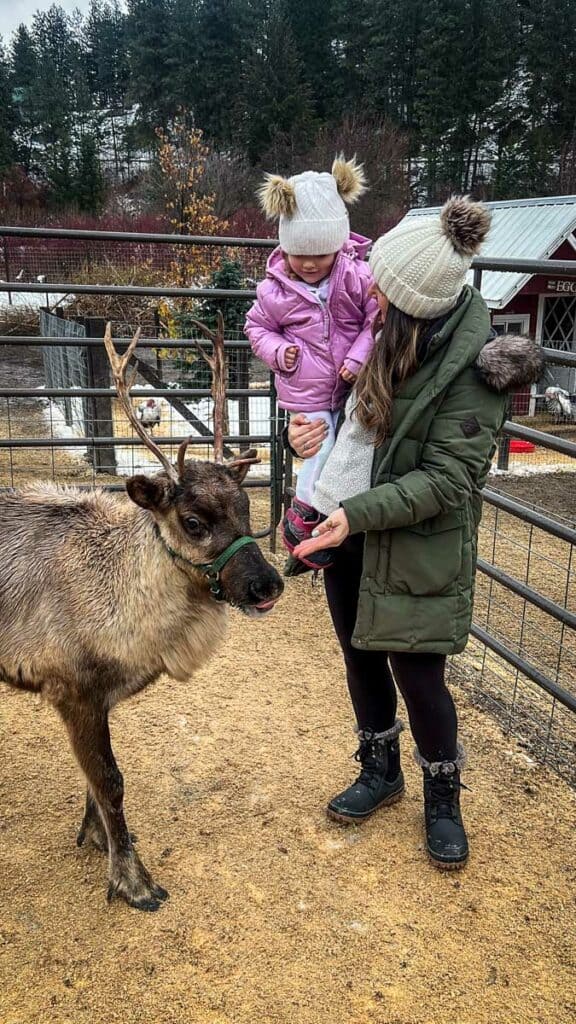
(119, 365)
(217, 364)
(247, 458)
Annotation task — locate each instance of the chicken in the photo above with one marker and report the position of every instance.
(149, 413)
(560, 404)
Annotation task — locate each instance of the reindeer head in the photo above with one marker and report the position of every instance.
(201, 511)
(200, 516)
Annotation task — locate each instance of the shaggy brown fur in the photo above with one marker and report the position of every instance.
(350, 178)
(94, 606)
(465, 223)
(277, 197)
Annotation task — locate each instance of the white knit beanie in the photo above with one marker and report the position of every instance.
(311, 207)
(421, 264)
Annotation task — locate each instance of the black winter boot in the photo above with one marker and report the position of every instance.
(380, 782)
(446, 840)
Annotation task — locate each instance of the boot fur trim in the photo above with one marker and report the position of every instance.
(389, 734)
(442, 767)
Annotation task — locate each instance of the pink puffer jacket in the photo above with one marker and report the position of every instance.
(328, 337)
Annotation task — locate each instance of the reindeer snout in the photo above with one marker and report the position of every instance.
(266, 592)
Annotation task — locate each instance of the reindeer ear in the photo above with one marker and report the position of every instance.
(239, 466)
(151, 492)
(277, 197)
(350, 178)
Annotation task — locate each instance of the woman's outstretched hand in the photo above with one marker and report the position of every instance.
(306, 437)
(328, 534)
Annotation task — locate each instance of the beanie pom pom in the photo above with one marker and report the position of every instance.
(465, 223)
(277, 197)
(350, 178)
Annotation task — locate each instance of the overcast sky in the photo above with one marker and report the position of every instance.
(12, 12)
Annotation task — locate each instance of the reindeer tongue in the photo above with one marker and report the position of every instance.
(265, 605)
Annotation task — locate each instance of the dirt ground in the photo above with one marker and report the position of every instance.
(552, 492)
(277, 914)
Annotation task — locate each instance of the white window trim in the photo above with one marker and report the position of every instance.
(524, 319)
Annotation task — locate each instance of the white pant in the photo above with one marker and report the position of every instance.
(310, 469)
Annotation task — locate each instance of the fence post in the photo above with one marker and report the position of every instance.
(504, 442)
(244, 401)
(103, 458)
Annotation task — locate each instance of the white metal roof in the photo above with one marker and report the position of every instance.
(523, 228)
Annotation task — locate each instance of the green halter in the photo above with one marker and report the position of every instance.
(211, 570)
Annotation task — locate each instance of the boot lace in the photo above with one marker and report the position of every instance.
(369, 755)
(443, 791)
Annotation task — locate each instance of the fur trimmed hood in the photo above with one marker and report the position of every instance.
(509, 362)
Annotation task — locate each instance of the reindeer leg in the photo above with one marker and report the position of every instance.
(92, 828)
(90, 737)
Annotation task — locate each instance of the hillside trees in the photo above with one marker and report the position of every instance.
(481, 93)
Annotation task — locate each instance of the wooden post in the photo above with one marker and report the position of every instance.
(100, 409)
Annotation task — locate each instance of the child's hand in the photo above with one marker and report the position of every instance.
(347, 375)
(290, 357)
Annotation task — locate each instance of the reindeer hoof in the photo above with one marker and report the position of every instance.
(150, 903)
(131, 882)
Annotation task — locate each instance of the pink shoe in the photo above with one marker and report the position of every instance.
(298, 523)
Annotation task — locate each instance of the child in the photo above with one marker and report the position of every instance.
(311, 322)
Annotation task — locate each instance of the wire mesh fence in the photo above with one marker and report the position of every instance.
(78, 260)
(547, 565)
(520, 663)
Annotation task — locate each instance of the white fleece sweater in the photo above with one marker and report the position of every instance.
(348, 469)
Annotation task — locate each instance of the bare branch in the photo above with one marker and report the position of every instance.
(207, 334)
(219, 390)
(119, 365)
(217, 364)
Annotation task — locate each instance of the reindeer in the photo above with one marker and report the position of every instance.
(99, 596)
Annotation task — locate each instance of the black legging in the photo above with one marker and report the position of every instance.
(420, 677)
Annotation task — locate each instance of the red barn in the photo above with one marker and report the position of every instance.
(543, 306)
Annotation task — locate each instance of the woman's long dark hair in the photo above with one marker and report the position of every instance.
(394, 357)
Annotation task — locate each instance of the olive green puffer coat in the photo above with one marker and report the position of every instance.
(422, 512)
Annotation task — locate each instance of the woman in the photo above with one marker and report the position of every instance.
(402, 492)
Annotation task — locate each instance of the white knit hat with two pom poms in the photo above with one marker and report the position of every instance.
(311, 207)
(421, 264)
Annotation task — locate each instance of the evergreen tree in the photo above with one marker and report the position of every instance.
(218, 32)
(312, 30)
(391, 72)
(25, 93)
(352, 44)
(6, 115)
(89, 186)
(465, 52)
(186, 58)
(54, 99)
(153, 79)
(550, 47)
(275, 108)
(106, 53)
(228, 275)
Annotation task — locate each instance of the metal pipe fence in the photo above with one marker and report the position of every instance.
(521, 661)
